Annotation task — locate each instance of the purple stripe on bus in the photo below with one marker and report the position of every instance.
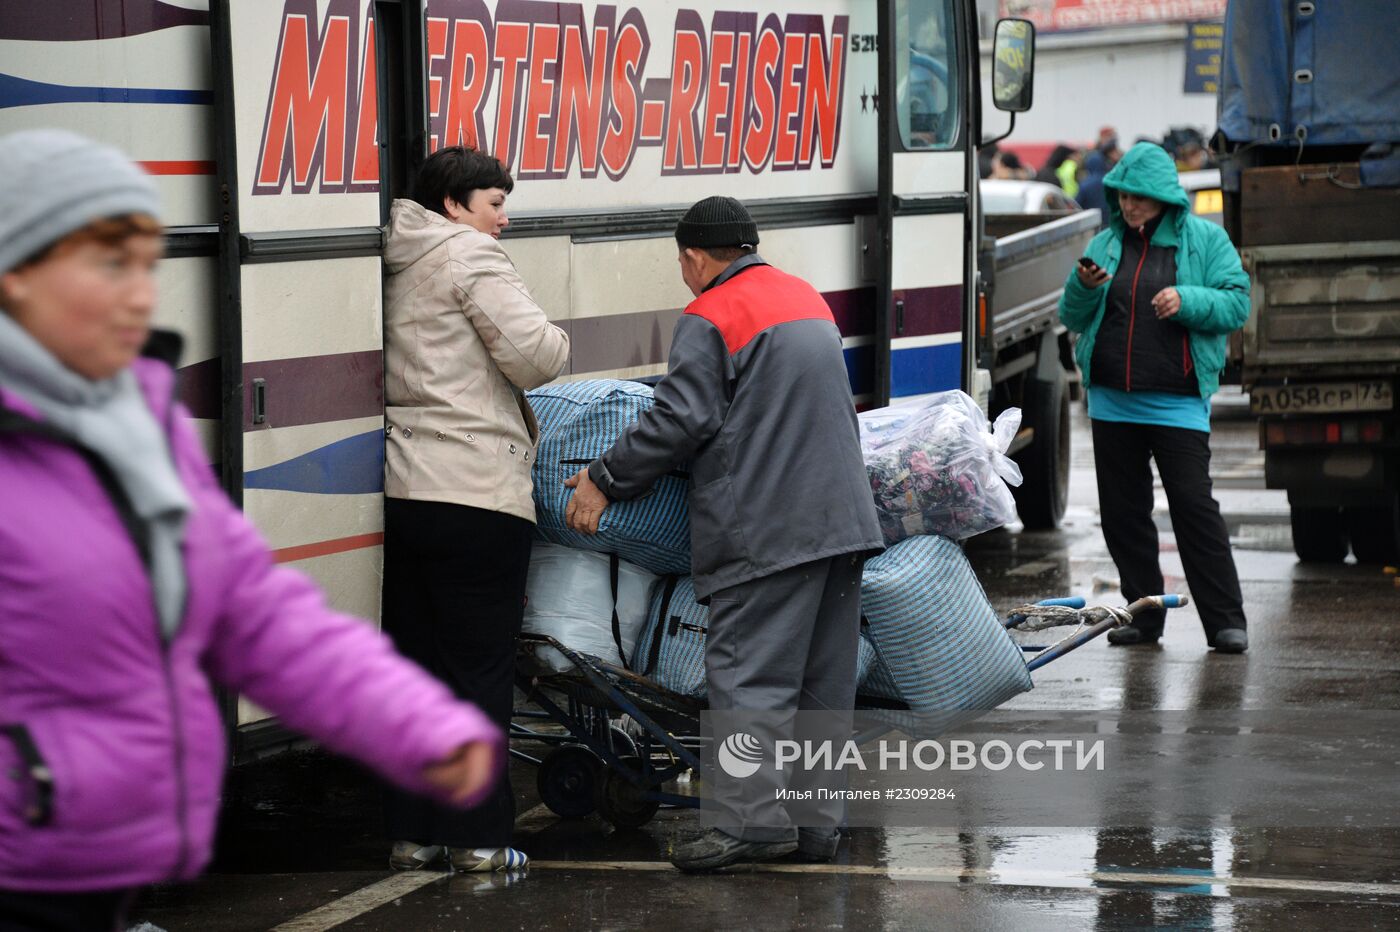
(928, 311)
(620, 341)
(197, 387)
(854, 310)
(52, 21)
(315, 389)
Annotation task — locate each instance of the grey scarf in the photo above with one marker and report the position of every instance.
(111, 419)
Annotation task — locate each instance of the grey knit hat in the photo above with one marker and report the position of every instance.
(53, 182)
(716, 222)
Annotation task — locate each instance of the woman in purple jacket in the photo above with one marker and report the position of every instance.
(129, 584)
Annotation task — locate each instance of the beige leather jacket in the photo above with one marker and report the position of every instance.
(463, 339)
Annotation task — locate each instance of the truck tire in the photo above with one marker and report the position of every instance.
(1319, 534)
(1044, 489)
(1375, 531)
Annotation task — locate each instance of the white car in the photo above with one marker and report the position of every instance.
(1008, 196)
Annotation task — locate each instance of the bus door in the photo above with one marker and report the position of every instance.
(298, 158)
(924, 303)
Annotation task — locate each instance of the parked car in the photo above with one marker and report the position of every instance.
(1007, 196)
(1203, 187)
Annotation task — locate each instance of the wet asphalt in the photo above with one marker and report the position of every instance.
(301, 848)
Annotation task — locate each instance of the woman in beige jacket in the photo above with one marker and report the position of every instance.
(463, 340)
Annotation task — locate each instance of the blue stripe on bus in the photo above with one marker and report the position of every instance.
(21, 92)
(860, 368)
(923, 369)
(353, 466)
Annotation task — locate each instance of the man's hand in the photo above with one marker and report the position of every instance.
(587, 505)
(1166, 303)
(465, 773)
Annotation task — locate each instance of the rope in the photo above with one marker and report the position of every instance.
(1040, 617)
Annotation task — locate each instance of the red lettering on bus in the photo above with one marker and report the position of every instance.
(821, 101)
(466, 93)
(581, 95)
(307, 109)
(620, 141)
(539, 100)
(366, 170)
(738, 110)
(789, 100)
(758, 142)
(717, 101)
(512, 47)
(687, 80)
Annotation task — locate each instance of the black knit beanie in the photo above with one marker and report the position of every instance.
(716, 222)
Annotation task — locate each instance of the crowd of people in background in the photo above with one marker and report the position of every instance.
(1080, 170)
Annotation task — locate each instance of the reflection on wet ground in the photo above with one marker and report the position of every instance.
(301, 835)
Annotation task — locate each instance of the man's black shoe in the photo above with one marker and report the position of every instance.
(716, 849)
(1129, 635)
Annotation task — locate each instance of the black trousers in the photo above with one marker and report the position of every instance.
(454, 598)
(101, 911)
(1123, 456)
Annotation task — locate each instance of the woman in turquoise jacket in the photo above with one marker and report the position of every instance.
(1153, 306)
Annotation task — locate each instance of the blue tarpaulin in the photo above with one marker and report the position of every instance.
(1330, 71)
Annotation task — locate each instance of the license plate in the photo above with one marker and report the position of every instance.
(1323, 398)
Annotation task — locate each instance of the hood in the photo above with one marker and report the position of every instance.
(414, 231)
(1147, 170)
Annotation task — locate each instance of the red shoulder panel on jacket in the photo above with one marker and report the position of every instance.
(755, 300)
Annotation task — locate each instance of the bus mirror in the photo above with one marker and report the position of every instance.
(1013, 65)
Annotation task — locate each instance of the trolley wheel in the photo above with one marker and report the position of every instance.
(623, 744)
(619, 801)
(567, 780)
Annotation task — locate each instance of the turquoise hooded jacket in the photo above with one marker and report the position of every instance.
(1213, 286)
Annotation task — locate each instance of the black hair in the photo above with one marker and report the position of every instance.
(455, 172)
(725, 253)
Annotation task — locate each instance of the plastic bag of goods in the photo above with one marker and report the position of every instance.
(938, 467)
(570, 597)
(940, 645)
(578, 423)
(671, 650)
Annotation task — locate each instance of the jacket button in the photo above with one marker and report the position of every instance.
(527, 456)
(407, 432)
(471, 438)
(441, 435)
(512, 449)
(389, 431)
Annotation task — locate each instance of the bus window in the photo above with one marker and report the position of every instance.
(926, 74)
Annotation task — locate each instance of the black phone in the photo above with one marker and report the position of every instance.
(1089, 264)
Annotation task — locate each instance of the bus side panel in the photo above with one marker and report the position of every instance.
(312, 326)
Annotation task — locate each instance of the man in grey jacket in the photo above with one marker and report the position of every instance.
(758, 404)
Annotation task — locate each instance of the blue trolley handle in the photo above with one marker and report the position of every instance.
(1088, 634)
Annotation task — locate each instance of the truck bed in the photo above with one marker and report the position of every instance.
(1031, 256)
(1322, 309)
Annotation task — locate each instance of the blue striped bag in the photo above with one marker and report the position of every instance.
(671, 649)
(940, 645)
(578, 422)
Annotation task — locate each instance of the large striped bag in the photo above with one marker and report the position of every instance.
(671, 649)
(940, 646)
(578, 422)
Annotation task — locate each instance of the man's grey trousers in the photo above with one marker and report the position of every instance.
(784, 643)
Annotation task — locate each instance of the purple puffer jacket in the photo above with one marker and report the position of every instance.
(126, 723)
